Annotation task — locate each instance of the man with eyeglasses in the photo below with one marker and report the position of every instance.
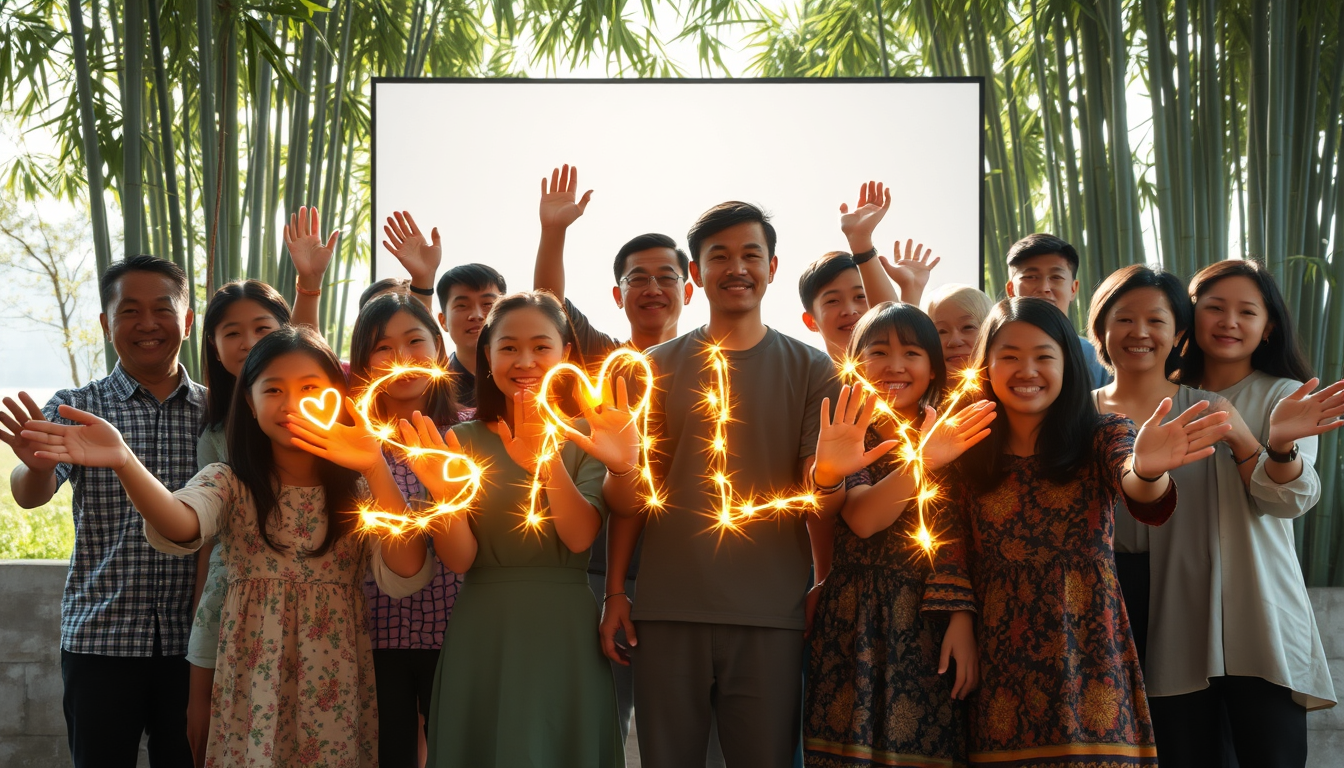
(652, 285)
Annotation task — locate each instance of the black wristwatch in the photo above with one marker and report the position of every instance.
(866, 256)
(422, 291)
(1282, 458)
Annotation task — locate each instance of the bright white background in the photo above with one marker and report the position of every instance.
(468, 158)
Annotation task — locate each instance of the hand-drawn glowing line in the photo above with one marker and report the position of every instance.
(911, 450)
(732, 510)
(592, 391)
(469, 476)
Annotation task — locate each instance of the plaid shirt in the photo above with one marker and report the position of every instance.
(119, 588)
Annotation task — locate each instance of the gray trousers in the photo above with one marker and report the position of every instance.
(744, 679)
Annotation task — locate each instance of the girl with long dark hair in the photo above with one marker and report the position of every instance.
(1060, 679)
(891, 623)
(520, 680)
(294, 683)
(406, 632)
(1232, 628)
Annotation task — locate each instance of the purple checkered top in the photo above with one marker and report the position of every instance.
(417, 621)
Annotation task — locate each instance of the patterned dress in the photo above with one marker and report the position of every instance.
(874, 695)
(294, 683)
(1060, 680)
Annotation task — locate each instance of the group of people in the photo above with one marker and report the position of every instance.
(1110, 579)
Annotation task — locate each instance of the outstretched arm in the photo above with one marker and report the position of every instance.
(858, 226)
(420, 257)
(558, 211)
(311, 256)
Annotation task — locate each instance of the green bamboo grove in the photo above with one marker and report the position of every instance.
(1159, 131)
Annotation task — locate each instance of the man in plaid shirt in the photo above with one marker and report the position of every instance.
(126, 611)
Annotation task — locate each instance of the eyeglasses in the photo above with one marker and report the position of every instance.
(642, 281)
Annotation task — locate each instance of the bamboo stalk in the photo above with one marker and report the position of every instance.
(168, 151)
(209, 140)
(1157, 75)
(1071, 174)
(132, 191)
(93, 161)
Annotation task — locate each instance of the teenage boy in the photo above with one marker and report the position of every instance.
(718, 621)
(1046, 267)
(126, 610)
(652, 285)
(466, 294)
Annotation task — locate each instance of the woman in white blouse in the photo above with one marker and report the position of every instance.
(1231, 627)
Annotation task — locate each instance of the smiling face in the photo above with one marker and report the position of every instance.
(734, 268)
(1048, 276)
(1231, 320)
(466, 312)
(1140, 331)
(524, 345)
(245, 322)
(902, 372)
(958, 331)
(146, 322)
(656, 304)
(405, 340)
(278, 390)
(838, 306)
(1026, 369)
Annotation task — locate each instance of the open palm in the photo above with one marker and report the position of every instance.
(874, 201)
(89, 442)
(351, 446)
(945, 440)
(441, 475)
(558, 206)
(1160, 448)
(840, 451)
(910, 271)
(303, 238)
(22, 413)
(614, 438)
(1303, 414)
(525, 440)
(405, 241)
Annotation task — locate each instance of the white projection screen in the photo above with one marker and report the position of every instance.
(467, 156)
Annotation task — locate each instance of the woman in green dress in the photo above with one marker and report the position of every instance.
(521, 680)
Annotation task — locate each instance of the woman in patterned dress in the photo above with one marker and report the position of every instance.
(406, 632)
(294, 684)
(889, 620)
(1060, 682)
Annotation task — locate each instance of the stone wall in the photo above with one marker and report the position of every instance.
(32, 727)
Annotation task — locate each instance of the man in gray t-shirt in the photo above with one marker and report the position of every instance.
(717, 625)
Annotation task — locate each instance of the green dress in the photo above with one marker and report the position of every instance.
(521, 680)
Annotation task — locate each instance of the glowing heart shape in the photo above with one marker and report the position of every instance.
(319, 404)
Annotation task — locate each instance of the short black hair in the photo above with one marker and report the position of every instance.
(1042, 244)
(645, 242)
(1131, 278)
(107, 284)
(723, 216)
(820, 273)
(476, 277)
(397, 284)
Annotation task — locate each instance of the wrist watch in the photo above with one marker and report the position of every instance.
(1282, 458)
(866, 256)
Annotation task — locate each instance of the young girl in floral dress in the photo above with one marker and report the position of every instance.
(892, 641)
(1060, 677)
(294, 684)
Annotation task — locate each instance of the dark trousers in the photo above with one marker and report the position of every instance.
(110, 701)
(405, 681)
(1131, 568)
(1236, 720)
(744, 678)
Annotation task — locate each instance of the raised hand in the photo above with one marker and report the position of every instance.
(15, 421)
(303, 238)
(89, 442)
(1160, 448)
(524, 441)
(419, 256)
(558, 209)
(910, 272)
(428, 463)
(353, 447)
(615, 439)
(858, 225)
(943, 441)
(1304, 414)
(840, 450)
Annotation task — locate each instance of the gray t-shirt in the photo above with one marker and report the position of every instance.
(757, 577)
(1100, 376)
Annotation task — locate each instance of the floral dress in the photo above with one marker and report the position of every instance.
(294, 683)
(1060, 680)
(874, 695)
